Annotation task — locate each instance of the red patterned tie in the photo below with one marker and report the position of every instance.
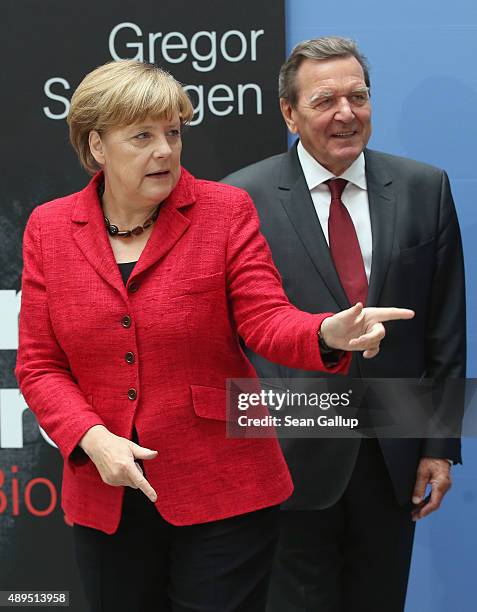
(344, 246)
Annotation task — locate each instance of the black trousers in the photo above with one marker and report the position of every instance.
(352, 557)
(149, 565)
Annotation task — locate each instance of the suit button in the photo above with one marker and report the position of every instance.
(126, 321)
(130, 357)
(133, 287)
(132, 394)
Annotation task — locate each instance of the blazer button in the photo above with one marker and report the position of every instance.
(126, 321)
(132, 394)
(133, 287)
(130, 357)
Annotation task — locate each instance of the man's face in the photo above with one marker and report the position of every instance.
(332, 116)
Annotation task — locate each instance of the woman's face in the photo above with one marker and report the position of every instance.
(141, 162)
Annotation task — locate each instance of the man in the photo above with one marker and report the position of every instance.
(386, 234)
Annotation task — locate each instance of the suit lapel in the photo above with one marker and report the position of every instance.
(169, 227)
(296, 200)
(90, 235)
(382, 209)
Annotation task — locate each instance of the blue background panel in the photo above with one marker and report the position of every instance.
(424, 96)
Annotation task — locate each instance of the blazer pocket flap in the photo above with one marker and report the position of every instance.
(200, 284)
(209, 402)
(415, 252)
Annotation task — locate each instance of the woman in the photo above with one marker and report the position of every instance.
(135, 292)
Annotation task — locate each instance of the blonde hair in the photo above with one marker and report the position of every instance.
(122, 93)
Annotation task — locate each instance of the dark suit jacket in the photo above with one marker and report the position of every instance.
(417, 263)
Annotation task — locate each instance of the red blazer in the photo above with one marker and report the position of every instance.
(205, 278)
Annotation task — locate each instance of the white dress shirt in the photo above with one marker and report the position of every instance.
(354, 197)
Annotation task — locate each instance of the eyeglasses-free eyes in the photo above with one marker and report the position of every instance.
(324, 102)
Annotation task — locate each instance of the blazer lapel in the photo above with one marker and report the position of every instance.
(90, 235)
(169, 227)
(296, 200)
(382, 209)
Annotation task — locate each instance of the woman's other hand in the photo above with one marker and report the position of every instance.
(360, 329)
(114, 458)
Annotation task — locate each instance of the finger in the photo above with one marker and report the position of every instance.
(392, 314)
(420, 488)
(148, 490)
(139, 482)
(439, 489)
(141, 452)
(431, 506)
(139, 468)
(370, 339)
(437, 494)
(351, 313)
(370, 353)
(416, 513)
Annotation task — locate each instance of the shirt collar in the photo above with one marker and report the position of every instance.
(316, 174)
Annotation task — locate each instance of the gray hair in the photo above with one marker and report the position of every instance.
(326, 47)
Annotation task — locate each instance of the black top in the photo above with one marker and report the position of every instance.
(126, 269)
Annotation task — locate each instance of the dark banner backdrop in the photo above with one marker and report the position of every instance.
(228, 56)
